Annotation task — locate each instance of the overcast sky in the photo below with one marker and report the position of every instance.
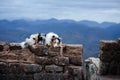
(96, 10)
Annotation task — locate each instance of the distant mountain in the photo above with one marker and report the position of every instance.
(88, 33)
(96, 24)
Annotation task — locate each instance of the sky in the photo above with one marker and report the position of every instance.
(95, 10)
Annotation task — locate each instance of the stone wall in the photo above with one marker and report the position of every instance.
(40, 63)
(110, 57)
(107, 66)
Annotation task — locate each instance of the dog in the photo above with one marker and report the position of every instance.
(32, 40)
(53, 40)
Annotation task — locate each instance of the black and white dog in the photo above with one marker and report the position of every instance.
(53, 40)
(32, 40)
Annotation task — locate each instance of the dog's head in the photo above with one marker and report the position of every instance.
(41, 38)
(35, 37)
(55, 41)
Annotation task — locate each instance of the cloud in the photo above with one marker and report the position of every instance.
(98, 10)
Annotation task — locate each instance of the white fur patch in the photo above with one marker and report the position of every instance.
(49, 37)
(29, 41)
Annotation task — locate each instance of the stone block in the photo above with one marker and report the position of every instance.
(109, 77)
(12, 76)
(109, 56)
(112, 68)
(76, 60)
(104, 68)
(107, 45)
(3, 77)
(62, 61)
(31, 68)
(72, 50)
(27, 77)
(48, 76)
(44, 60)
(106, 56)
(6, 47)
(54, 51)
(76, 72)
(14, 46)
(3, 68)
(15, 68)
(19, 77)
(1, 48)
(53, 69)
(39, 50)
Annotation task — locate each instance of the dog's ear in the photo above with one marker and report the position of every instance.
(45, 35)
(60, 38)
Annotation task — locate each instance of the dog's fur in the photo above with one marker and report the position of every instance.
(50, 39)
(41, 38)
(53, 40)
(32, 40)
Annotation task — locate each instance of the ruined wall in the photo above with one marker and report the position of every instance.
(110, 57)
(109, 62)
(40, 62)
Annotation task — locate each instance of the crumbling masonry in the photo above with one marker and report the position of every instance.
(40, 63)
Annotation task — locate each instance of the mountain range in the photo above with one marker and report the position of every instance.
(88, 33)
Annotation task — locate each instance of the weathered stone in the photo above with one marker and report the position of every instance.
(3, 43)
(15, 68)
(119, 41)
(76, 60)
(1, 48)
(23, 55)
(106, 56)
(109, 56)
(67, 76)
(31, 68)
(19, 77)
(14, 46)
(6, 47)
(3, 77)
(12, 76)
(49, 76)
(44, 60)
(104, 67)
(75, 71)
(91, 68)
(3, 68)
(112, 68)
(72, 50)
(109, 77)
(27, 77)
(53, 69)
(39, 50)
(54, 51)
(10, 55)
(61, 61)
(106, 45)
(38, 63)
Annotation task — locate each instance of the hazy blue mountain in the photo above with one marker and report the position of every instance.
(88, 33)
(96, 24)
